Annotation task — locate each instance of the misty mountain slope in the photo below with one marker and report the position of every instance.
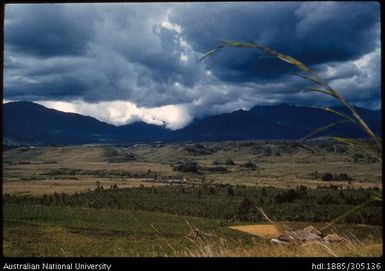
(275, 122)
(30, 123)
(141, 131)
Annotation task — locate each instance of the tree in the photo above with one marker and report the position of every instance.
(199, 193)
(99, 186)
(230, 191)
(211, 190)
(245, 208)
(327, 177)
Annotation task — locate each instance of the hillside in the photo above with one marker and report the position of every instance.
(29, 123)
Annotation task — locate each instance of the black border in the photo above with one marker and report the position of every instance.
(180, 263)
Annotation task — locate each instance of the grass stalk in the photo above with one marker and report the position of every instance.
(312, 76)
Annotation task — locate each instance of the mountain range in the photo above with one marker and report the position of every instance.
(27, 123)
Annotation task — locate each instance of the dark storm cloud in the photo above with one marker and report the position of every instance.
(122, 57)
(66, 87)
(148, 54)
(315, 32)
(45, 31)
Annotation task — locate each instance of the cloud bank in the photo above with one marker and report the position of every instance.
(126, 62)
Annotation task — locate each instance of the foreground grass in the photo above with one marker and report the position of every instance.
(81, 232)
(60, 231)
(347, 248)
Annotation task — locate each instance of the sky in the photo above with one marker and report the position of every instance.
(127, 62)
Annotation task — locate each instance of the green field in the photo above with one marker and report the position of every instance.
(59, 231)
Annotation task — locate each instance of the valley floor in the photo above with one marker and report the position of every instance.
(145, 199)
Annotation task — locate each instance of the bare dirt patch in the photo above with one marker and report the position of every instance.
(261, 230)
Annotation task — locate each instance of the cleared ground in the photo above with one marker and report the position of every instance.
(263, 230)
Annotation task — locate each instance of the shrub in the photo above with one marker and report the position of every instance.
(327, 177)
(198, 149)
(267, 151)
(342, 177)
(250, 165)
(357, 157)
(245, 209)
(99, 187)
(187, 166)
(118, 155)
(288, 196)
(217, 169)
(371, 160)
(230, 191)
(229, 162)
(335, 177)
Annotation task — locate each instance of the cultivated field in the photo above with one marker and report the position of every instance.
(148, 199)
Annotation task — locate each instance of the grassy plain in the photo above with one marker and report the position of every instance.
(132, 200)
(288, 169)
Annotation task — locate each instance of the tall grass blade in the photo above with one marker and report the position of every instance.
(323, 128)
(343, 115)
(319, 91)
(210, 53)
(327, 90)
(279, 226)
(362, 146)
(312, 76)
(307, 78)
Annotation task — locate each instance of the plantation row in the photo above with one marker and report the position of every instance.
(225, 202)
